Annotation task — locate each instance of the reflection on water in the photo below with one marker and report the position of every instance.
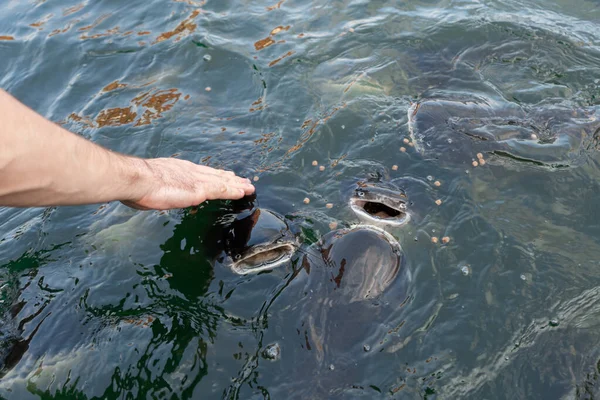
(485, 115)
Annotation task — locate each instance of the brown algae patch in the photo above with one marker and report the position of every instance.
(113, 86)
(186, 26)
(268, 41)
(277, 60)
(115, 117)
(276, 6)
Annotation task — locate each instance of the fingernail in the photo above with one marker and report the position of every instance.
(248, 180)
(242, 193)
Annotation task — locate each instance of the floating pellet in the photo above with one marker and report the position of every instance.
(321, 168)
(208, 88)
(315, 163)
(403, 149)
(438, 202)
(482, 162)
(406, 141)
(479, 156)
(333, 225)
(437, 183)
(445, 240)
(329, 205)
(475, 163)
(434, 239)
(394, 167)
(255, 179)
(306, 200)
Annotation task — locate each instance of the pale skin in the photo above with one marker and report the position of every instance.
(42, 164)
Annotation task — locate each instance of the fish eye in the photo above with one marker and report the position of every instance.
(361, 194)
(237, 256)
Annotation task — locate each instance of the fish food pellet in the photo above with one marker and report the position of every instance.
(438, 202)
(208, 89)
(434, 239)
(475, 163)
(411, 144)
(329, 205)
(445, 239)
(403, 149)
(315, 163)
(306, 200)
(479, 156)
(256, 178)
(437, 183)
(406, 141)
(482, 162)
(321, 168)
(394, 167)
(333, 225)
(533, 136)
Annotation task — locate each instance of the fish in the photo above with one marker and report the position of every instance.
(454, 130)
(380, 206)
(347, 286)
(364, 261)
(258, 240)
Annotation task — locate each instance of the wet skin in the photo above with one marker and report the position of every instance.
(344, 280)
(455, 130)
(379, 205)
(258, 240)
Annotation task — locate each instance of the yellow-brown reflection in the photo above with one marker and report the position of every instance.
(72, 10)
(192, 2)
(65, 29)
(263, 43)
(313, 128)
(150, 104)
(258, 105)
(162, 100)
(187, 25)
(6, 37)
(108, 32)
(40, 24)
(97, 22)
(115, 117)
(113, 85)
(277, 60)
(276, 6)
(268, 41)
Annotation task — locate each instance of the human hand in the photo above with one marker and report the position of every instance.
(167, 183)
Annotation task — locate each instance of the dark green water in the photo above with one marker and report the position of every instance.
(106, 302)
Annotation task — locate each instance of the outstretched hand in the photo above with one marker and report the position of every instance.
(172, 183)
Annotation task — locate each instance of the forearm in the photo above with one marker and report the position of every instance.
(43, 164)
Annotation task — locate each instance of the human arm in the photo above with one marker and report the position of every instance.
(42, 164)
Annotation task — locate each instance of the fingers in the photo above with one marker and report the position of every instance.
(221, 190)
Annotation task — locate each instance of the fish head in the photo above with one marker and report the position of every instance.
(258, 240)
(380, 205)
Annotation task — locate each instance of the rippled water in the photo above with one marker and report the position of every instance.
(106, 302)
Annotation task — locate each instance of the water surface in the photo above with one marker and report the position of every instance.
(106, 302)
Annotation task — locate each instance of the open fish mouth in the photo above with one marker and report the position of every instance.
(380, 210)
(264, 257)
